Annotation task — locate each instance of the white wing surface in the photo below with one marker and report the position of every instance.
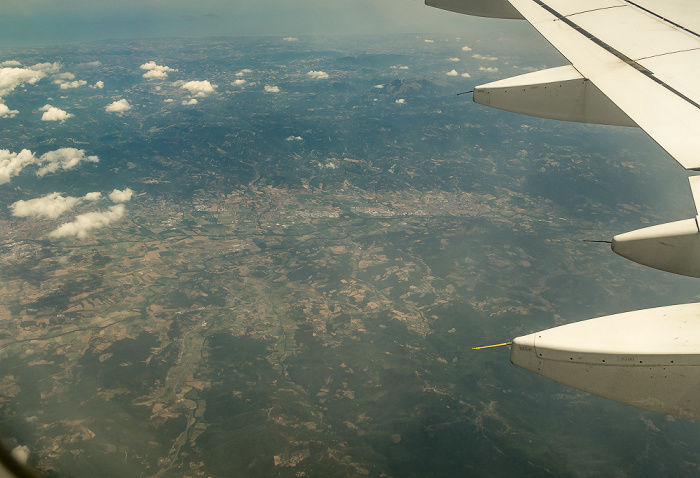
(644, 56)
(632, 63)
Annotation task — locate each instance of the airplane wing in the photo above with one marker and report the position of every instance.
(644, 56)
(632, 63)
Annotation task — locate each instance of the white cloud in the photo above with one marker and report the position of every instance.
(11, 78)
(66, 80)
(64, 85)
(98, 85)
(155, 71)
(168, 100)
(118, 106)
(6, 112)
(192, 101)
(20, 453)
(54, 205)
(10, 63)
(90, 64)
(51, 113)
(489, 69)
(454, 59)
(50, 206)
(466, 48)
(482, 57)
(199, 88)
(429, 41)
(238, 82)
(64, 158)
(155, 75)
(290, 39)
(118, 196)
(452, 73)
(466, 75)
(271, 89)
(93, 196)
(400, 101)
(244, 72)
(47, 68)
(294, 138)
(403, 68)
(11, 164)
(319, 75)
(379, 86)
(84, 224)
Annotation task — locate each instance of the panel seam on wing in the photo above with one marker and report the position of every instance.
(621, 56)
(664, 19)
(594, 10)
(667, 53)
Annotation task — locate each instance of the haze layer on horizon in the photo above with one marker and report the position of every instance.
(44, 22)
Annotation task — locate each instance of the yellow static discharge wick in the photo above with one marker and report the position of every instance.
(492, 346)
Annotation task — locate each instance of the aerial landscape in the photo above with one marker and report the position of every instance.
(273, 255)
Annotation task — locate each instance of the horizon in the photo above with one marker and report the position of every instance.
(40, 23)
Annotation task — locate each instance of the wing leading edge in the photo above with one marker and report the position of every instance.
(632, 63)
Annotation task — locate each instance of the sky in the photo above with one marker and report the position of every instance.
(42, 22)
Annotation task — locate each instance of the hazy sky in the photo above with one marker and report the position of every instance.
(38, 22)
